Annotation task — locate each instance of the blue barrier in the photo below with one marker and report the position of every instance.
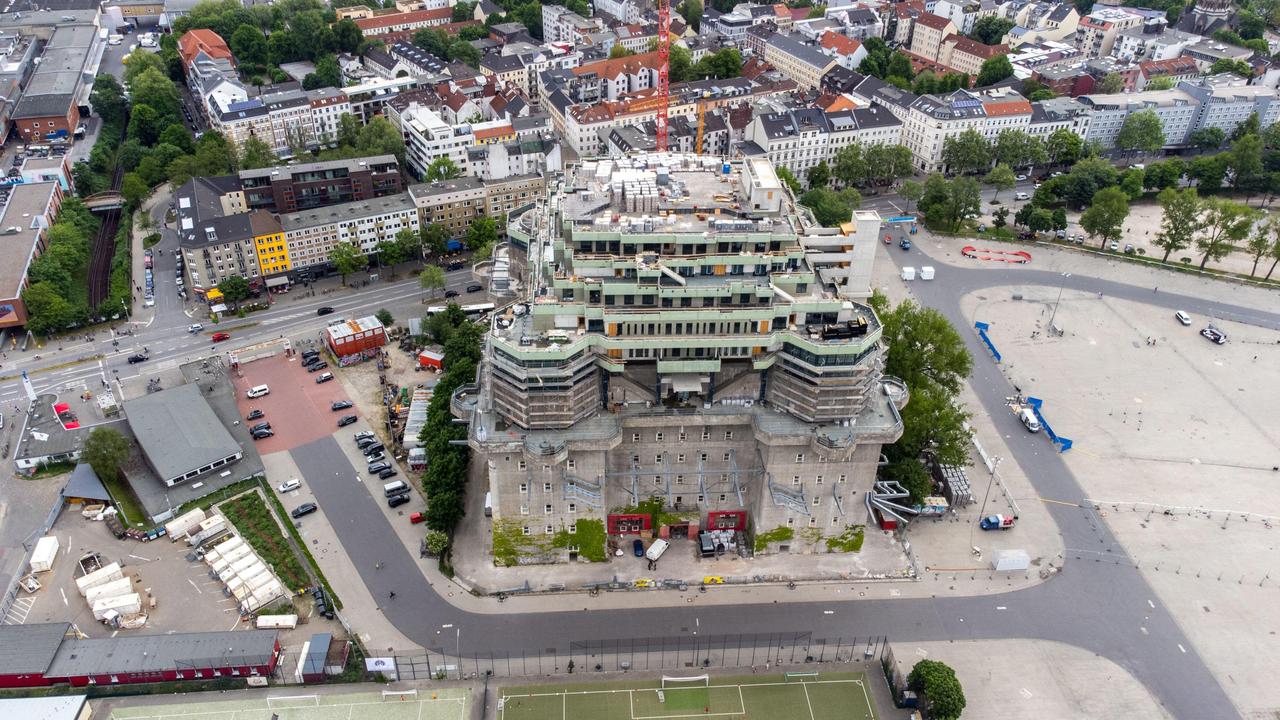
(901, 219)
(1035, 404)
(982, 333)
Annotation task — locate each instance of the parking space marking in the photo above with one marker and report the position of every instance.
(19, 611)
(197, 587)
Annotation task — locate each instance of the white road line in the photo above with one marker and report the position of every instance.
(1002, 607)
(197, 587)
(64, 597)
(1181, 648)
(1153, 605)
(806, 702)
(1144, 631)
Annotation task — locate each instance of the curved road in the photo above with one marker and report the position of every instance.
(1102, 607)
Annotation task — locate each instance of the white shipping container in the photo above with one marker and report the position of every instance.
(123, 586)
(123, 604)
(208, 523)
(182, 524)
(239, 568)
(235, 554)
(98, 577)
(260, 580)
(908, 273)
(926, 272)
(277, 622)
(45, 553)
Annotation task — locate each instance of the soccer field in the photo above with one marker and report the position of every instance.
(425, 705)
(826, 696)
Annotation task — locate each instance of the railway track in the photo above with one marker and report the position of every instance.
(104, 246)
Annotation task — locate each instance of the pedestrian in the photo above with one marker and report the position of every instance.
(393, 594)
(1156, 289)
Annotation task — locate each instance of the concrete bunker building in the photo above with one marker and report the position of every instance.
(689, 334)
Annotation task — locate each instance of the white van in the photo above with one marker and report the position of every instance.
(258, 391)
(656, 549)
(394, 488)
(1029, 420)
(1021, 196)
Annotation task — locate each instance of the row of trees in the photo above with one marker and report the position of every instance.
(970, 152)
(894, 67)
(57, 296)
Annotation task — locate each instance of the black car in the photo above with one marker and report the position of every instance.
(260, 426)
(374, 448)
(346, 420)
(317, 366)
(134, 359)
(326, 310)
(262, 434)
(304, 509)
(450, 293)
(454, 266)
(397, 500)
(389, 472)
(254, 415)
(475, 287)
(340, 405)
(378, 467)
(307, 355)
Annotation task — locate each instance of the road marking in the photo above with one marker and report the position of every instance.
(1060, 502)
(1002, 607)
(139, 557)
(828, 612)
(1153, 605)
(1144, 631)
(197, 587)
(64, 597)
(1181, 648)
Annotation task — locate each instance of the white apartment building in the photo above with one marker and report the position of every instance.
(1227, 100)
(962, 13)
(627, 11)
(427, 137)
(1176, 108)
(1096, 32)
(312, 234)
(328, 105)
(1152, 42)
(934, 118)
(560, 24)
(800, 139)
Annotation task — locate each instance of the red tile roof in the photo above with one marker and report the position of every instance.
(207, 41)
(839, 43)
(937, 22)
(439, 16)
(975, 48)
(1016, 105)
(613, 67)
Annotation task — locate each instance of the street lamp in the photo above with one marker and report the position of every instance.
(1062, 285)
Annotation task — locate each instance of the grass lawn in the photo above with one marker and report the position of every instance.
(258, 527)
(126, 502)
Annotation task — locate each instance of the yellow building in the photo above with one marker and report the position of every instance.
(269, 243)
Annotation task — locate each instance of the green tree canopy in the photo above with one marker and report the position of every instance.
(105, 450)
(990, 30)
(969, 152)
(256, 154)
(432, 278)
(1064, 147)
(831, 208)
(994, 70)
(1142, 131)
(234, 288)
(1106, 214)
(1225, 224)
(938, 683)
(1001, 177)
(435, 239)
(442, 168)
(346, 259)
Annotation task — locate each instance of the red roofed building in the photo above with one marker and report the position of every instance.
(847, 51)
(928, 34)
(1176, 69)
(208, 42)
(397, 22)
(967, 55)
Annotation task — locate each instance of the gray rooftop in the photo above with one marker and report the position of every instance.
(84, 483)
(26, 202)
(156, 653)
(445, 187)
(346, 211)
(28, 649)
(177, 431)
(807, 54)
(287, 170)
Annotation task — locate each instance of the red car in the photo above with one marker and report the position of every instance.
(220, 336)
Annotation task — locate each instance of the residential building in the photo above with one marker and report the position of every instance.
(402, 21)
(849, 53)
(452, 203)
(624, 11)
(290, 188)
(687, 350)
(1177, 69)
(962, 13)
(800, 139)
(328, 105)
(1044, 22)
(215, 235)
(311, 235)
(502, 196)
(858, 23)
(967, 56)
(1176, 108)
(428, 137)
(927, 35)
(934, 118)
(1152, 41)
(196, 43)
(805, 64)
(1063, 113)
(560, 24)
(1208, 52)
(1226, 101)
(1096, 32)
(26, 215)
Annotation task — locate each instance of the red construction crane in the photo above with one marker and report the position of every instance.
(664, 55)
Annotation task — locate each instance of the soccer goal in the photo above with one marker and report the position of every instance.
(399, 695)
(681, 683)
(799, 676)
(289, 702)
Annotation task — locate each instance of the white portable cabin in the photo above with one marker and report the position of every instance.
(224, 548)
(123, 586)
(181, 525)
(98, 577)
(263, 596)
(276, 622)
(233, 555)
(926, 272)
(260, 580)
(238, 567)
(123, 604)
(908, 273)
(46, 551)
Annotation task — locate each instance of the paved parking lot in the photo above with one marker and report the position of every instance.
(298, 406)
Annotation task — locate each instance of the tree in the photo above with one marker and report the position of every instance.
(435, 239)
(145, 125)
(1143, 131)
(234, 289)
(1000, 217)
(1274, 253)
(346, 259)
(789, 179)
(850, 165)
(347, 36)
(990, 30)
(1001, 177)
(618, 51)
(947, 203)
(887, 163)
(938, 683)
(911, 191)
(107, 99)
(831, 208)
(1182, 219)
(105, 450)
(179, 137)
(1161, 175)
(482, 234)
(1245, 160)
(1225, 223)
(1261, 242)
(47, 307)
(1132, 181)
(1111, 84)
(154, 88)
(1162, 82)
(464, 52)
(249, 45)
(327, 74)
(432, 279)
(134, 190)
(994, 70)
(1208, 172)
(1018, 149)
(1229, 65)
(394, 251)
(384, 316)
(1036, 92)
(442, 168)
(911, 474)
(691, 11)
(969, 152)
(1084, 181)
(1064, 147)
(257, 154)
(818, 175)
(927, 353)
(1210, 138)
(1105, 216)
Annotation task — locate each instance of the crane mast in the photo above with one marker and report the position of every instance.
(664, 57)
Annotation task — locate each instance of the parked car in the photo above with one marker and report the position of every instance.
(262, 434)
(1114, 246)
(260, 426)
(195, 328)
(475, 287)
(346, 420)
(1214, 335)
(135, 359)
(372, 448)
(254, 415)
(397, 500)
(303, 509)
(1021, 196)
(318, 365)
(363, 434)
(451, 293)
(290, 485)
(324, 378)
(384, 474)
(637, 547)
(220, 336)
(340, 405)
(1183, 318)
(376, 457)
(454, 266)
(1020, 178)
(326, 310)
(997, 522)
(905, 244)
(375, 468)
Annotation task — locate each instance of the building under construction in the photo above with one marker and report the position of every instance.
(689, 334)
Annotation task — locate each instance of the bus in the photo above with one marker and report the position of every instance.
(478, 308)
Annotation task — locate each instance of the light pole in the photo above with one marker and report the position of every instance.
(983, 512)
(1061, 285)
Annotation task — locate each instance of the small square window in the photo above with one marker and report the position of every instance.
(679, 479)
(524, 509)
(799, 458)
(546, 487)
(818, 479)
(546, 509)
(841, 479)
(701, 498)
(680, 458)
(657, 437)
(822, 458)
(683, 436)
(573, 507)
(573, 464)
(706, 434)
(573, 528)
(795, 479)
(702, 457)
(835, 520)
(551, 530)
(813, 521)
(817, 501)
(524, 487)
(635, 437)
(657, 480)
(726, 457)
(723, 498)
(525, 530)
(521, 465)
(728, 434)
(635, 459)
(791, 521)
(657, 459)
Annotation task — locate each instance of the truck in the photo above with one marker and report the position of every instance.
(46, 551)
(454, 245)
(998, 522)
(276, 622)
(98, 577)
(182, 524)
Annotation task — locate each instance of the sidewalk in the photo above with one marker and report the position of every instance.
(139, 315)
